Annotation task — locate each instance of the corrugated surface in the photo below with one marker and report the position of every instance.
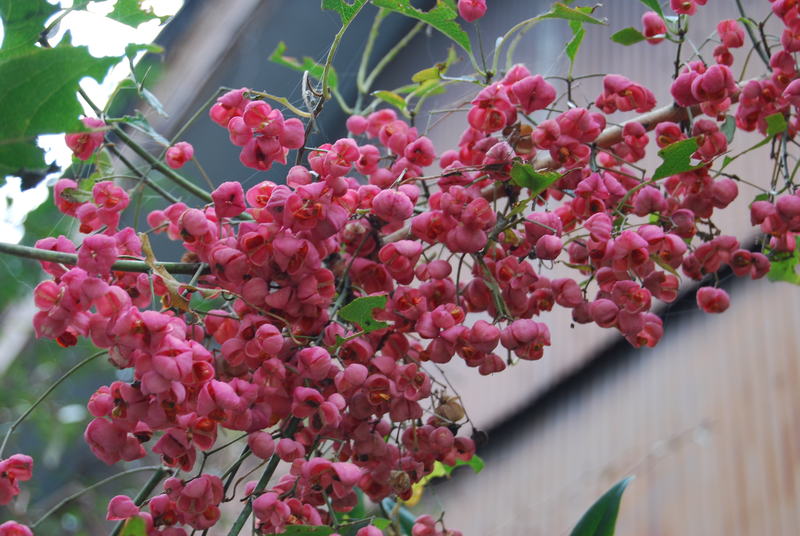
(709, 422)
(490, 400)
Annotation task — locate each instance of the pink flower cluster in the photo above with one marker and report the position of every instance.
(369, 216)
(261, 131)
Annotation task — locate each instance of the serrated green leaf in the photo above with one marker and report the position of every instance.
(654, 5)
(628, 36)
(130, 12)
(776, 123)
(28, 110)
(307, 530)
(134, 526)
(314, 69)
(562, 11)
(785, 269)
(134, 48)
(23, 22)
(442, 17)
(601, 518)
(140, 123)
(728, 127)
(524, 175)
(359, 311)
(677, 158)
(346, 10)
(392, 98)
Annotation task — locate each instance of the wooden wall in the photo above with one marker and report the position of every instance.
(708, 421)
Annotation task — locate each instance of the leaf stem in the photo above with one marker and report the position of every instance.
(281, 100)
(756, 42)
(261, 484)
(393, 52)
(144, 493)
(362, 68)
(70, 259)
(165, 170)
(326, 94)
(45, 395)
(77, 494)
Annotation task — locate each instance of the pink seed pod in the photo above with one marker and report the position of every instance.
(177, 155)
(712, 300)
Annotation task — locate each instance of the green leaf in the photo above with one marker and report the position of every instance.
(381, 523)
(346, 10)
(677, 158)
(654, 5)
(130, 12)
(776, 123)
(141, 124)
(476, 462)
(22, 23)
(561, 11)
(201, 304)
(133, 48)
(785, 269)
(662, 263)
(134, 526)
(761, 197)
(524, 175)
(428, 89)
(23, 158)
(577, 38)
(601, 518)
(307, 530)
(392, 98)
(314, 69)
(442, 17)
(351, 528)
(359, 311)
(436, 72)
(628, 36)
(154, 103)
(729, 127)
(38, 96)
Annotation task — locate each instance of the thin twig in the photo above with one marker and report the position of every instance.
(44, 395)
